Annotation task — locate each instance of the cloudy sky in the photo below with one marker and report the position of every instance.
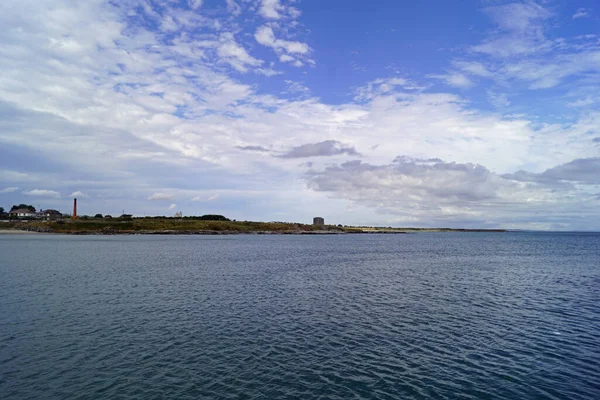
(478, 113)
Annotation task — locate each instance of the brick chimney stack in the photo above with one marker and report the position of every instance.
(74, 209)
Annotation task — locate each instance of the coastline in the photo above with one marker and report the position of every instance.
(227, 232)
(22, 232)
(147, 226)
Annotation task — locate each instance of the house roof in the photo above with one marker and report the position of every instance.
(21, 211)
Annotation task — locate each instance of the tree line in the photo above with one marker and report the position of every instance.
(18, 207)
(206, 217)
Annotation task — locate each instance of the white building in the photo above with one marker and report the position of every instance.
(22, 213)
(49, 215)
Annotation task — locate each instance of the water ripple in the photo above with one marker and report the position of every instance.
(440, 316)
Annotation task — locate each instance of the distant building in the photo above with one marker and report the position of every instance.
(318, 221)
(22, 213)
(49, 215)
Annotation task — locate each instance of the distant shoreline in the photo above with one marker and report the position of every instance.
(19, 231)
(172, 226)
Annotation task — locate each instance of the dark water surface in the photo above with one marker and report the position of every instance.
(441, 316)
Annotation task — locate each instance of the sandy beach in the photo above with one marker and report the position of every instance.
(18, 232)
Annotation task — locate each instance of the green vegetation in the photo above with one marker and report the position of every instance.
(156, 225)
(207, 217)
(24, 206)
(162, 225)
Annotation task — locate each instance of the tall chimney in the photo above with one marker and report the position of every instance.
(74, 209)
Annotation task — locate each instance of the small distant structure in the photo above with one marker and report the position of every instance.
(49, 215)
(22, 213)
(178, 214)
(318, 221)
(74, 209)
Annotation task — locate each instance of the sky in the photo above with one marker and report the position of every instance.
(475, 114)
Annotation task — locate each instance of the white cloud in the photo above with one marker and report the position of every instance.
(424, 182)
(472, 67)
(458, 80)
(383, 86)
(520, 29)
(286, 58)
(265, 36)
(9, 189)
(88, 82)
(42, 193)
(498, 100)
(581, 13)
(518, 17)
(233, 7)
(234, 54)
(522, 50)
(296, 88)
(14, 176)
(210, 197)
(172, 206)
(584, 102)
(271, 9)
(79, 194)
(168, 24)
(454, 79)
(195, 4)
(160, 196)
(267, 71)
(445, 192)
(547, 73)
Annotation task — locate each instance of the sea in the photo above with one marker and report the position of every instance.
(418, 316)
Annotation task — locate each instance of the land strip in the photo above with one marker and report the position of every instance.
(172, 226)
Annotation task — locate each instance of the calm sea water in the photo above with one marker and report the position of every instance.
(451, 315)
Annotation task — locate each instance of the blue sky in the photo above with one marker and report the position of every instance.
(433, 113)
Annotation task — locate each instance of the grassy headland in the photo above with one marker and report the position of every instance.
(187, 226)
